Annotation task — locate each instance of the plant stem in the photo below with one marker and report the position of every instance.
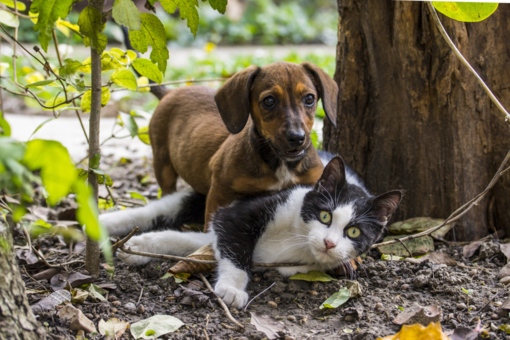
(459, 55)
(93, 254)
(55, 40)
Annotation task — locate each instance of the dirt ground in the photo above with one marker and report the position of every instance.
(388, 289)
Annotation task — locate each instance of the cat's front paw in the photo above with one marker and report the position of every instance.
(231, 295)
(137, 243)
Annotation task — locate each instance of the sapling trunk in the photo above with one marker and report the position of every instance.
(93, 255)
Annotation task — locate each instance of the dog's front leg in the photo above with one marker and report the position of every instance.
(219, 196)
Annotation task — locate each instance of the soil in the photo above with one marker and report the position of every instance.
(388, 287)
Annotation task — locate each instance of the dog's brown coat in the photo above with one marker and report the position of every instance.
(226, 143)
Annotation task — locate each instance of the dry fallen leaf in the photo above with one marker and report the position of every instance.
(470, 249)
(204, 253)
(113, 328)
(268, 325)
(505, 271)
(432, 332)
(505, 249)
(75, 279)
(51, 301)
(418, 314)
(354, 288)
(463, 333)
(436, 258)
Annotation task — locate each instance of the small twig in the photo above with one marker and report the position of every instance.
(404, 245)
(110, 194)
(259, 294)
(27, 235)
(225, 308)
(490, 300)
(60, 265)
(459, 55)
(26, 272)
(205, 334)
(440, 240)
(205, 80)
(121, 243)
(140, 297)
(457, 214)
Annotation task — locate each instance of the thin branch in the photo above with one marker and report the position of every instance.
(256, 296)
(6, 38)
(5, 8)
(205, 80)
(459, 55)
(457, 214)
(187, 259)
(60, 265)
(225, 308)
(121, 243)
(404, 245)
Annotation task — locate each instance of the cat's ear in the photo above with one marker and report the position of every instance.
(385, 205)
(333, 176)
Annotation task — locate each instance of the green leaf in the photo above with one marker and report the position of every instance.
(187, 10)
(126, 14)
(148, 69)
(315, 139)
(155, 326)
(337, 299)
(86, 100)
(137, 195)
(41, 83)
(219, 5)
(91, 26)
(5, 128)
(95, 161)
(125, 78)
(312, 276)
(151, 33)
(57, 169)
(466, 11)
(505, 328)
(386, 257)
(49, 12)
(41, 125)
(96, 293)
(8, 19)
(130, 123)
(143, 134)
(69, 69)
(10, 3)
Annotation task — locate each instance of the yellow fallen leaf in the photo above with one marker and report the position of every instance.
(418, 332)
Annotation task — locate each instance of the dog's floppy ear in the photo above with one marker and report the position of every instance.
(233, 99)
(328, 90)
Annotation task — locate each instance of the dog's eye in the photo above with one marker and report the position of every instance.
(353, 232)
(309, 99)
(325, 217)
(269, 101)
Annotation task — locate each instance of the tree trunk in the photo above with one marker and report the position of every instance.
(16, 318)
(92, 249)
(411, 116)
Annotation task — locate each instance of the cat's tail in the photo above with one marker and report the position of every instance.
(159, 91)
(169, 212)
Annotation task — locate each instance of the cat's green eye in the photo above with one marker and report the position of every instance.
(325, 217)
(353, 232)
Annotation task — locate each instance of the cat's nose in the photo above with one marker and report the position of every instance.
(329, 244)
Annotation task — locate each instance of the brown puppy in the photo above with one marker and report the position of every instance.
(250, 136)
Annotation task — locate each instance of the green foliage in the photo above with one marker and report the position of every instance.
(146, 68)
(129, 123)
(337, 299)
(466, 11)
(151, 33)
(126, 14)
(312, 276)
(5, 128)
(219, 5)
(70, 67)
(86, 100)
(91, 26)
(125, 78)
(8, 19)
(187, 11)
(49, 12)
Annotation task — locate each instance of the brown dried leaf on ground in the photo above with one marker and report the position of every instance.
(436, 258)
(354, 288)
(432, 332)
(27, 255)
(75, 279)
(204, 253)
(47, 274)
(269, 326)
(505, 271)
(505, 249)
(470, 249)
(463, 333)
(418, 314)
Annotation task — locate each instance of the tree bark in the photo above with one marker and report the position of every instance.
(16, 318)
(412, 117)
(92, 260)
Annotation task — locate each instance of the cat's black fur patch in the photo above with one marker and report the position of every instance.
(192, 212)
(239, 227)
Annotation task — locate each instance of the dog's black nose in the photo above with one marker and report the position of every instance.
(295, 137)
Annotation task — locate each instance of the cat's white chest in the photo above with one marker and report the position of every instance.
(284, 178)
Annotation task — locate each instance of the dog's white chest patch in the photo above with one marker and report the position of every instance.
(284, 177)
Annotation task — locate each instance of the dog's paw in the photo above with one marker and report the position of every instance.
(137, 243)
(231, 295)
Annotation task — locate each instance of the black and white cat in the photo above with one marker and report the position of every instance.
(317, 227)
